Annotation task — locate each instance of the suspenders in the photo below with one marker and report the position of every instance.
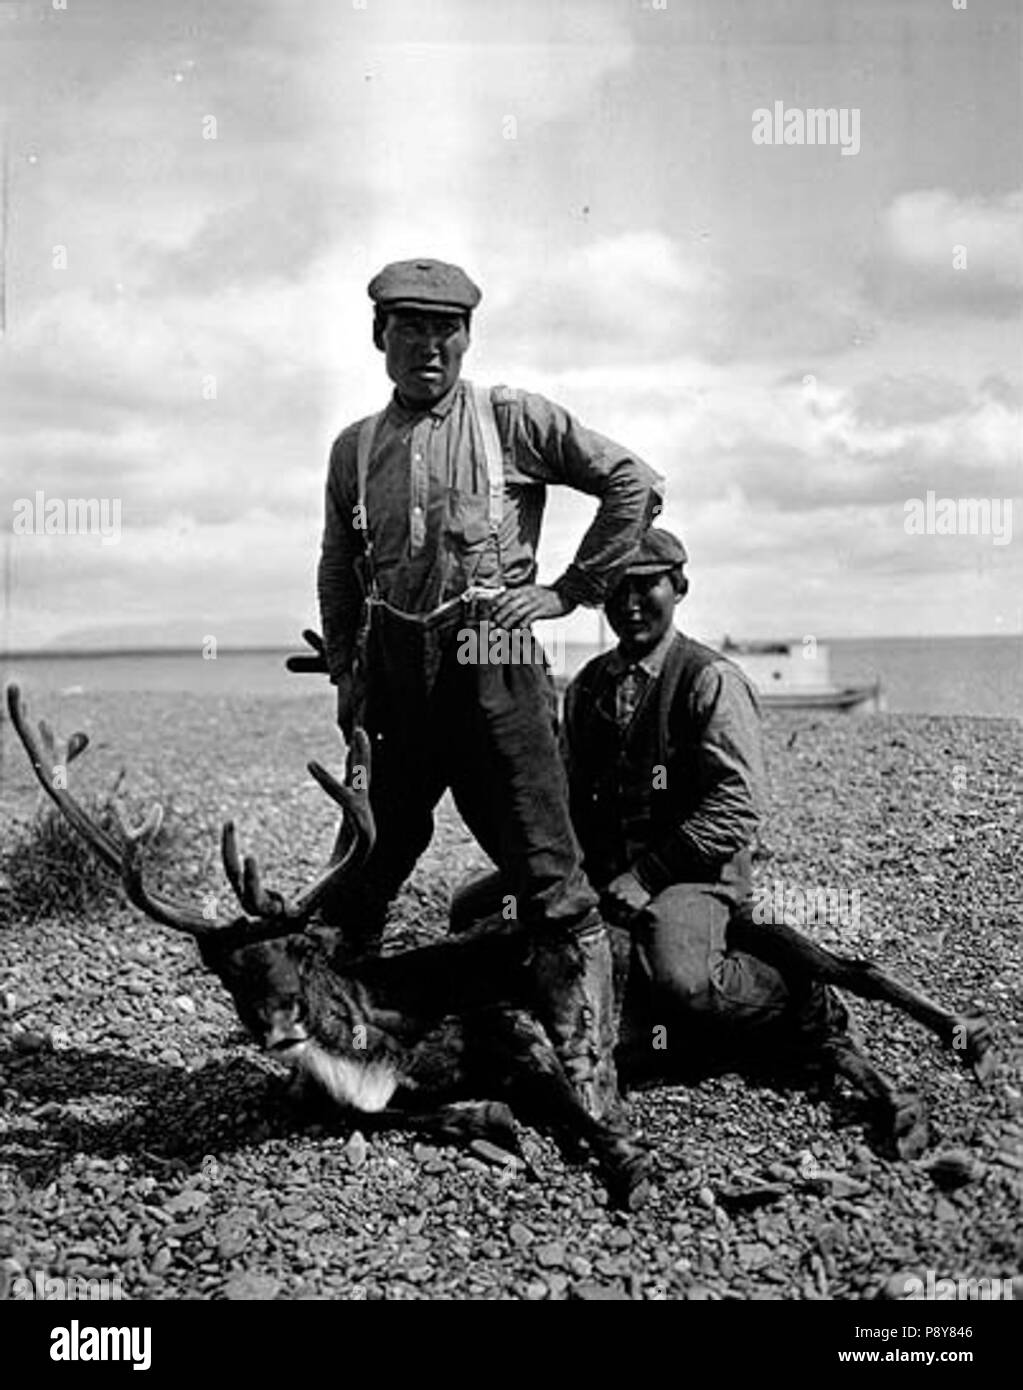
(483, 407)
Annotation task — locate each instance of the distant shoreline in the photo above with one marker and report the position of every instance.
(277, 649)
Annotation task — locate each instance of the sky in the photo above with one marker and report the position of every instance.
(801, 340)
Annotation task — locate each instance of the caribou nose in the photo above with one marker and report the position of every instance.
(285, 1031)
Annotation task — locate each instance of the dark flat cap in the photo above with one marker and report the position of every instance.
(658, 552)
(424, 284)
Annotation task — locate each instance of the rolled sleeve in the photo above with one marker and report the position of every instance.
(558, 449)
(730, 771)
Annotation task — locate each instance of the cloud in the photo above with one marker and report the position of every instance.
(939, 252)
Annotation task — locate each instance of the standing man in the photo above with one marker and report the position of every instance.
(433, 512)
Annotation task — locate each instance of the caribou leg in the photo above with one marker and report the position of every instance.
(901, 1115)
(521, 1064)
(789, 951)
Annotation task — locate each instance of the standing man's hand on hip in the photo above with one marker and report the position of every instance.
(522, 606)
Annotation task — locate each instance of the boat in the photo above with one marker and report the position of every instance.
(797, 675)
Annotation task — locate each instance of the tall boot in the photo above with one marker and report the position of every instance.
(573, 980)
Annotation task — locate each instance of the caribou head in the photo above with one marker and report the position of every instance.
(264, 956)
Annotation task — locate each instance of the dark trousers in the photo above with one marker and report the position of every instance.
(487, 732)
(682, 968)
(674, 969)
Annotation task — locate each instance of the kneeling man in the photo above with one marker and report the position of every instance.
(663, 745)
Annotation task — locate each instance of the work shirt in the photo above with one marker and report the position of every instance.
(427, 513)
(632, 677)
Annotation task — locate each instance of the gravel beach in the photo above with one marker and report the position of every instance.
(142, 1140)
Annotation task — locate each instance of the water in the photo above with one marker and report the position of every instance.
(946, 675)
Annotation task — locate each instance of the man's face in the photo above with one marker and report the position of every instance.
(640, 609)
(424, 353)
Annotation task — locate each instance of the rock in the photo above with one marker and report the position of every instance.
(779, 1172)
(536, 1290)
(829, 1183)
(592, 1292)
(580, 1266)
(189, 1200)
(499, 1158)
(705, 1196)
(520, 1235)
(894, 1287)
(256, 1287)
(753, 1255)
(29, 1043)
(953, 1168)
(1010, 1160)
(161, 1261)
(749, 1198)
(944, 1210)
(185, 1003)
(356, 1149)
(551, 1255)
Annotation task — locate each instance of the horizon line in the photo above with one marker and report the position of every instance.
(294, 648)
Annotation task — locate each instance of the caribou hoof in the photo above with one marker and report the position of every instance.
(907, 1127)
(979, 1046)
(628, 1182)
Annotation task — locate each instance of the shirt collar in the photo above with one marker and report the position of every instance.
(651, 663)
(439, 410)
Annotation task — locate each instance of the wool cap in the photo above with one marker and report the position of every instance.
(434, 286)
(658, 552)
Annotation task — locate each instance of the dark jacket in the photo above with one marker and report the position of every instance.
(676, 796)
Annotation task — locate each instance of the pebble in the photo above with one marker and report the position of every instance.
(256, 1287)
(551, 1255)
(595, 1293)
(356, 1149)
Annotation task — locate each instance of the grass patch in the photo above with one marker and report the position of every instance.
(49, 869)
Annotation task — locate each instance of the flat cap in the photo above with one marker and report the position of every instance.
(658, 552)
(424, 284)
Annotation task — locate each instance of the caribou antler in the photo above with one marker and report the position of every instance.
(267, 914)
(276, 916)
(51, 773)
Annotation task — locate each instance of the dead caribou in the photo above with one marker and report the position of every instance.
(431, 1038)
(443, 1037)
